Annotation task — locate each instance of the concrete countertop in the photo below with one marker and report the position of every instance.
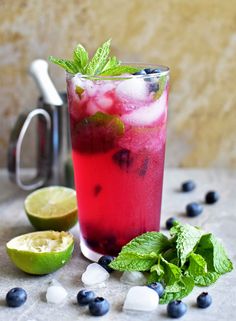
(219, 219)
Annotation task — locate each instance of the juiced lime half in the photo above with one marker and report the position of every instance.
(52, 208)
(41, 252)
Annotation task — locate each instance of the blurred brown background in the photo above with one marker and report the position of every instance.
(196, 39)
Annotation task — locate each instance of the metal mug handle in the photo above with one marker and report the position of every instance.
(14, 151)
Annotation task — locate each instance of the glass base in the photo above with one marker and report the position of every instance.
(88, 253)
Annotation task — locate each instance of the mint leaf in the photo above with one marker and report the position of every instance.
(68, 65)
(206, 279)
(132, 262)
(172, 273)
(100, 64)
(99, 60)
(144, 249)
(119, 70)
(158, 268)
(214, 254)
(153, 277)
(81, 58)
(187, 237)
(112, 62)
(150, 243)
(170, 255)
(199, 271)
(197, 265)
(178, 290)
(188, 258)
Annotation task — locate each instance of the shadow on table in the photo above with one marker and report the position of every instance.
(6, 234)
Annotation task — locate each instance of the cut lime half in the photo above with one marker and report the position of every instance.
(41, 252)
(52, 208)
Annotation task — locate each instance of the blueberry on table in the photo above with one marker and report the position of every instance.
(193, 209)
(188, 186)
(84, 297)
(99, 306)
(16, 297)
(158, 287)
(212, 197)
(104, 261)
(204, 300)
(170, 222)
(176, 309)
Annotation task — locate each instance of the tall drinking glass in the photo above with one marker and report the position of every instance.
(118, 132)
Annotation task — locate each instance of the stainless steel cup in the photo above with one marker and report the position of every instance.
(52, 134)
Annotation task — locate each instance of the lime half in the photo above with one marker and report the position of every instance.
(41, 252)
(52, 208)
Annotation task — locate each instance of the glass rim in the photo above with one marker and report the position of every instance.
(162, 71)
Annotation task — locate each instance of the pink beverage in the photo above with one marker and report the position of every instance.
(118, 131)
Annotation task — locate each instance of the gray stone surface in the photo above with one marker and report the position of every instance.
(219, 219)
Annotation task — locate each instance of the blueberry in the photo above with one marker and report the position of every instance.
(84, 297)
(148, 70)
(144, 167)
(194, 209)
(176, 309)
(158, 287)
(170, 222)
(104, 261)
(204, 300)
(188, 186)
(153, 86)
(152, 71)
(123, 158)
(99, 306)
(156, 71)
(212, 197)
(140, 72)
(16, 297)
(97, 189)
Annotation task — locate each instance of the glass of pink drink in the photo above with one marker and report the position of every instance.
(118, 132)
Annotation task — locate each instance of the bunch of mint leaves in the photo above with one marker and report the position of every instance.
(189, 257)
(100, 64)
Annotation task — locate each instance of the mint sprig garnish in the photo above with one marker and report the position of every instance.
(190, 257)
(99, 64)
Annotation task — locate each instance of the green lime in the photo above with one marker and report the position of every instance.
(41, 252)
(52, 208)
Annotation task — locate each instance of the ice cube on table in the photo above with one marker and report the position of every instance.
(133, 278)
(56, 294)
(132, 89)
(141, 298)
(147, 115)
(94, 274)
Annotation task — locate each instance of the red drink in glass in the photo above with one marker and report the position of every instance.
(118, 131)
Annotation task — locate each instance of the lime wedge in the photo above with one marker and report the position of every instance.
(52, 208)
(41, 252)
